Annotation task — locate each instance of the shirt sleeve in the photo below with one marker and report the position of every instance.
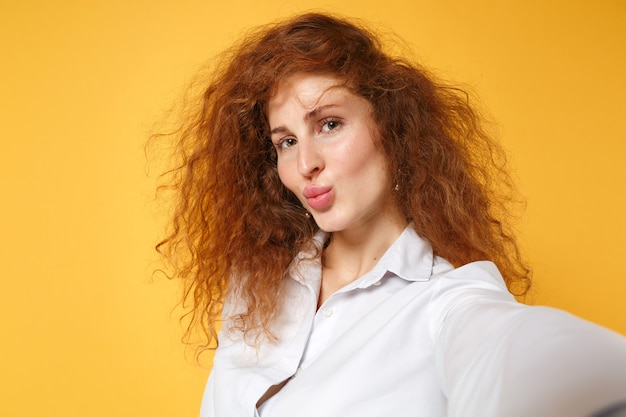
(497, 357)
(207, 409)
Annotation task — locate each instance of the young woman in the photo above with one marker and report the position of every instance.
(344, 217)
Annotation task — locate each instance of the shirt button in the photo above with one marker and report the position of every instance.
(327, 311)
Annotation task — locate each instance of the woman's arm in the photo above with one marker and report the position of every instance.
(501, 358)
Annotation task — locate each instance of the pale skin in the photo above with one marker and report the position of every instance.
(323, 136)
(327, 156)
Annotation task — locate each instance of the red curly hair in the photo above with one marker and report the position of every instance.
(236, 228)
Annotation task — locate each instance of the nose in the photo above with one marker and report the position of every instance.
(310, 158)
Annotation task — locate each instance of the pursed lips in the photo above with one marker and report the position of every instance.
(318, 197)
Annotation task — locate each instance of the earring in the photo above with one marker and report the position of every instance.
(396, 187)
(307, 214)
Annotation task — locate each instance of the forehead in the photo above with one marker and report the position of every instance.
(307, 90)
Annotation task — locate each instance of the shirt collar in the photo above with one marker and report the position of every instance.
(409, 257)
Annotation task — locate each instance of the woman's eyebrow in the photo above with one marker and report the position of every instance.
(316, 111)
(310, 115)
(279, 129)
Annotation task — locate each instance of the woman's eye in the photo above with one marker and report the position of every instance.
(329, 125)
(286, 143)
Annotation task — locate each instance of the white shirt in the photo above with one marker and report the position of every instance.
(416, 337)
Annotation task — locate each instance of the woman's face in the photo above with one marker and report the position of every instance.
(327, 157)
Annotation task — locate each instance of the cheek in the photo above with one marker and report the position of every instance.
(370, 168)
(359, 160)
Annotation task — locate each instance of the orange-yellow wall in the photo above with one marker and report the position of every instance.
(85, 332)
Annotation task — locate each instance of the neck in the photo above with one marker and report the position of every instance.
(351, 253)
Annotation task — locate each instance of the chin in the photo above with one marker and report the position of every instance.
(331, 224)
(327, 225)
(329, 229)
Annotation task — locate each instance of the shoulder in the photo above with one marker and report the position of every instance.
(471, 283)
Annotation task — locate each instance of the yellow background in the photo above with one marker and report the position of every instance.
(86, 330)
